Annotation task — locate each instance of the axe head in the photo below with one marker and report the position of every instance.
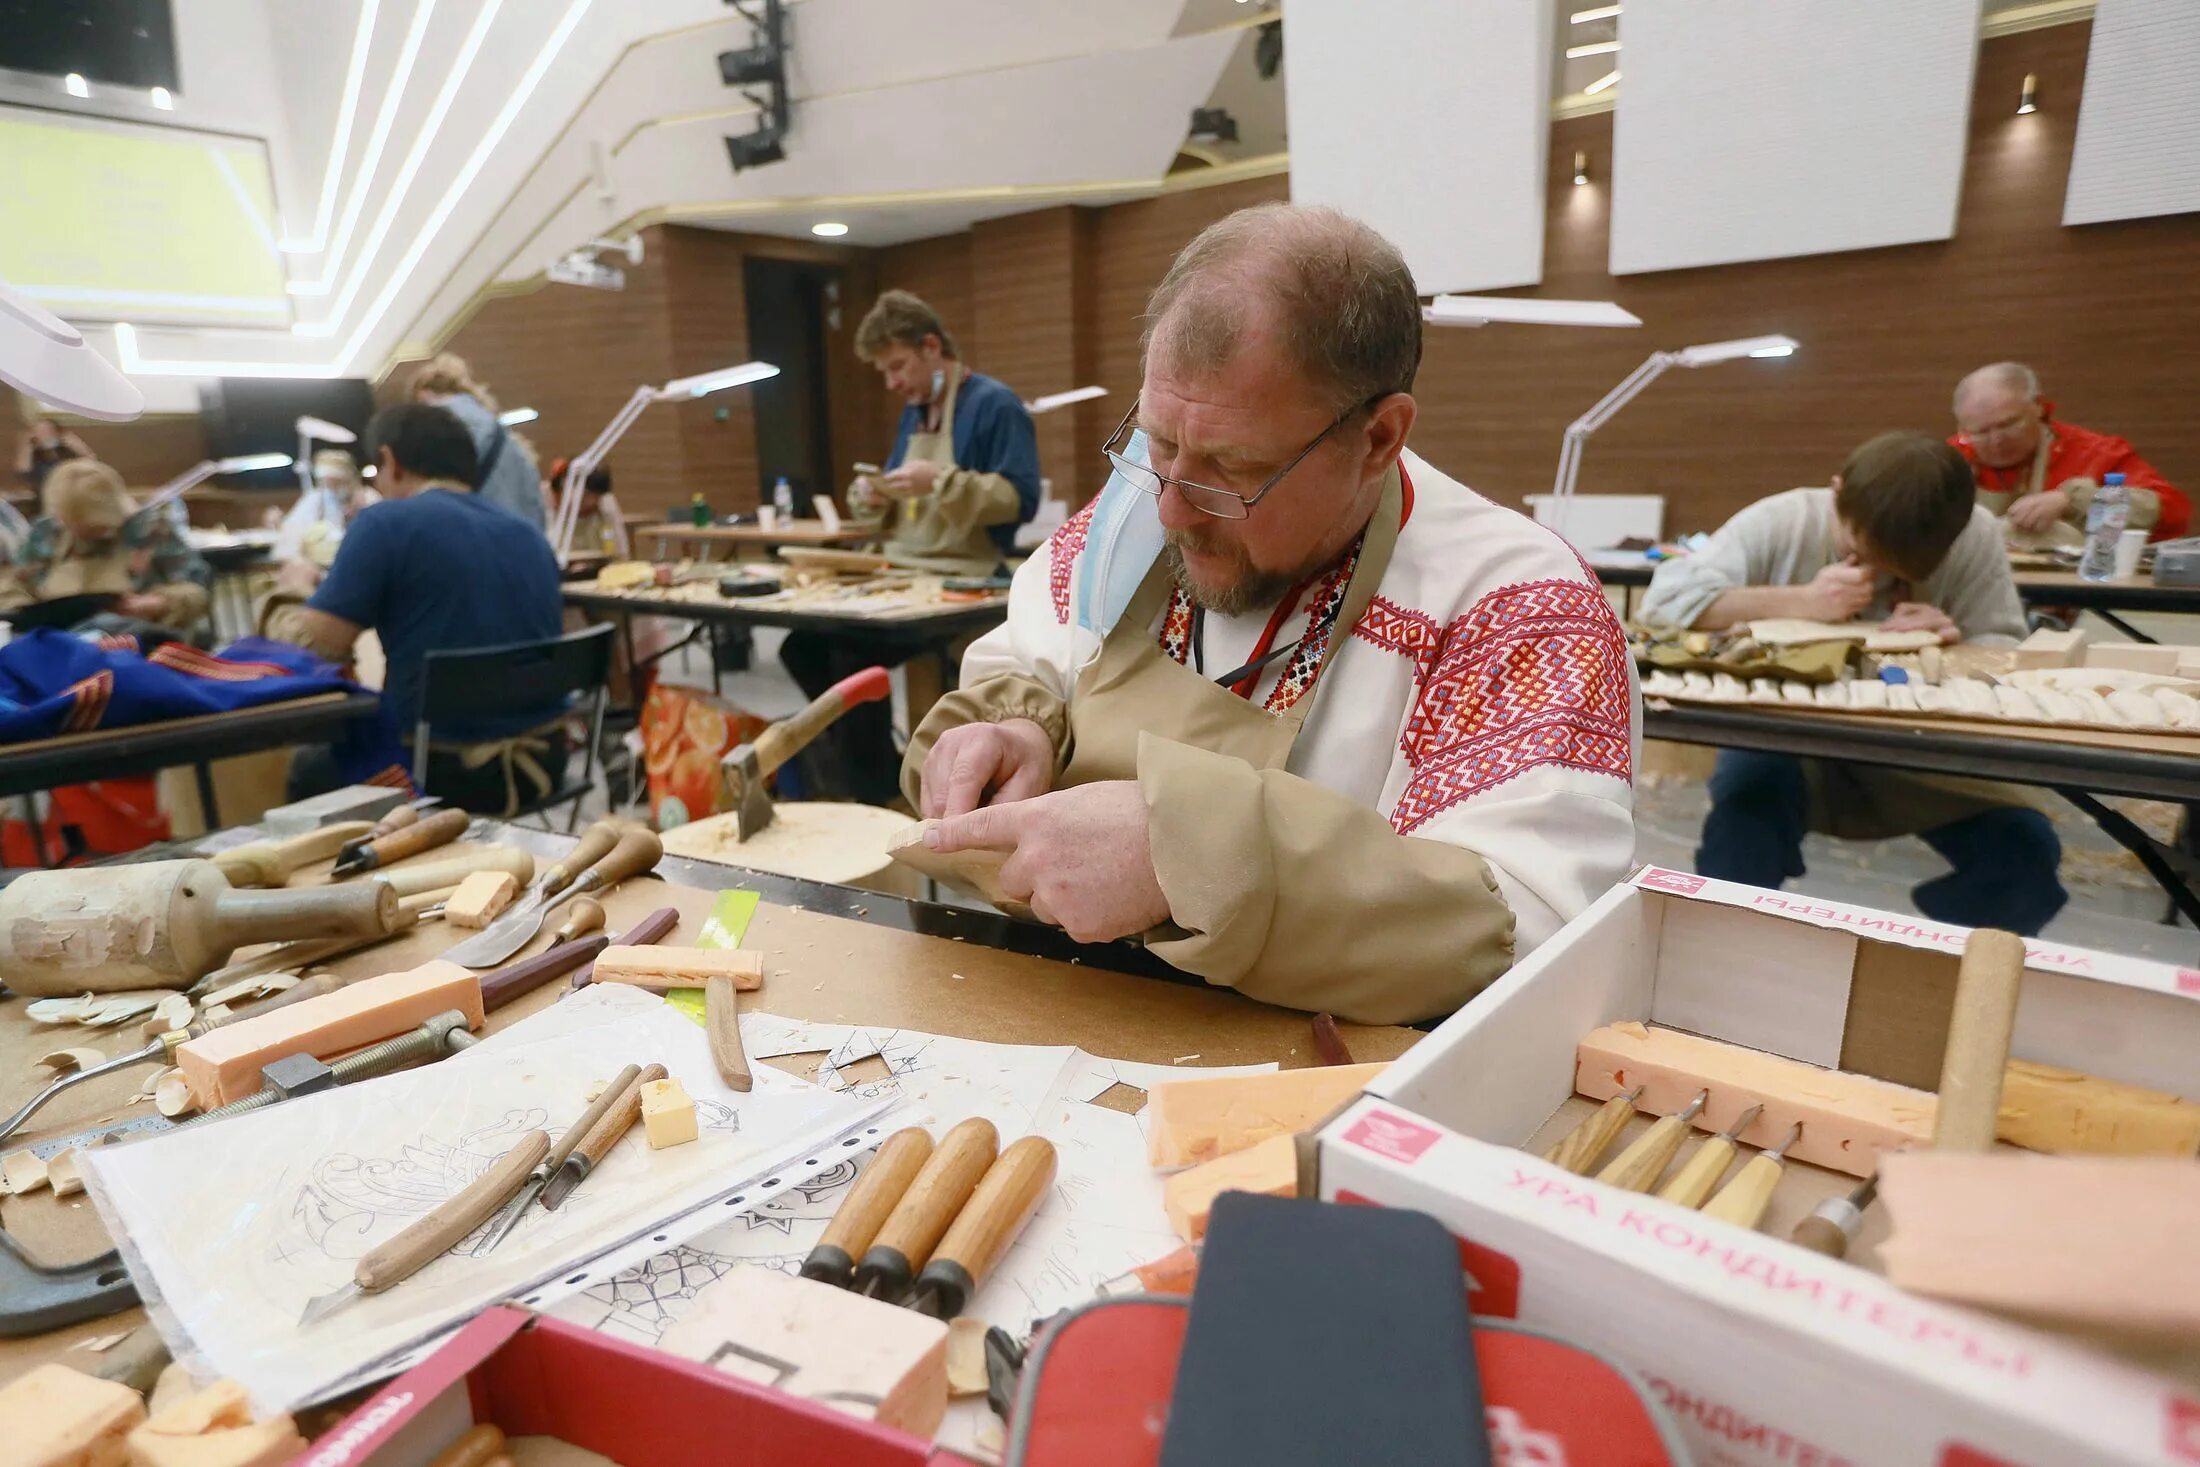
(741, 776)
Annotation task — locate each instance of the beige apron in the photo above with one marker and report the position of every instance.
(1997, 502)
(1135, 687)
(933, 532)
(77, 573)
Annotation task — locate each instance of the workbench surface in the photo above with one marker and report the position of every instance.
(831, 954)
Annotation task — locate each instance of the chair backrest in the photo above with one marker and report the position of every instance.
(487, 680)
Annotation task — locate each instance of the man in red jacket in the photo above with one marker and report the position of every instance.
(2042, 474)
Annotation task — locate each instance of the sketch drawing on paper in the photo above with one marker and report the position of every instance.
(345, 1199)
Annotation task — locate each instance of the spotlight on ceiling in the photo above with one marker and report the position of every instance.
(1213, 125)
(755, 149)
(828, 229)
(763, 64)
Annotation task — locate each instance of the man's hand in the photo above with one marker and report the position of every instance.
(1917, 616)
(2035, 514)
(1837, 593)
(913, 480)
(143, 605)
(1079, 857)
(985, 764)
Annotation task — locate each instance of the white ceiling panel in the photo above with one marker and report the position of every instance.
(2138, 150)
(1432, 126)
(1749, 130)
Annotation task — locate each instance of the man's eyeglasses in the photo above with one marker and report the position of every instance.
(1223, 504)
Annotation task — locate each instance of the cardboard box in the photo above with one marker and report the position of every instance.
(537, 1376)
(1769, 1354)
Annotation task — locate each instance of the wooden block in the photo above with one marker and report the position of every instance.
(2050, 648)
(225, 1065)
(869, 1359)
(479, 898)
(1272, 1167)
(53, 1416)
(668, 1115)
(2152, 658)
(1191, 1121)
(661, 968)
(1848, 1120)
(2102, 1243)
(2048, 1109)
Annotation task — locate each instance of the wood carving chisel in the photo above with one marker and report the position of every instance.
(1744, 1199)
(1643, 1162)
(596, 1145)
(633, 851)
(273, 862)
(439, 829)
(1584, 1146)
(1701, 1172)
(943, 1184)
(404, 815)
(1834, 1223)
(722, 1021)
(434, 1235)
(556, 1155)
(1013, 1188)
(861, 1213)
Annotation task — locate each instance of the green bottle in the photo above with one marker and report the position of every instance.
(699, 512)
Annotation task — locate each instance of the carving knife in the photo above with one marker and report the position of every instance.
(556, 1155)
(607, 854)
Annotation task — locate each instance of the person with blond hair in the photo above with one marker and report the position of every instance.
(93, 541)
(509, 478)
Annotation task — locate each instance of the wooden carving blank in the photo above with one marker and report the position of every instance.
(972, 871)
(2048, 1109)
(661, 968)
(1271, 1168)
(1848, 1120)
(2098, 1242)
(1191, 1120)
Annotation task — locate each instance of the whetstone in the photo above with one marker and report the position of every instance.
(1985, 1016)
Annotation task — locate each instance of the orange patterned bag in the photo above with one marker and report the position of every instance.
(685, 732)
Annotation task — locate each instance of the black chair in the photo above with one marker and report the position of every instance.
(485, 681)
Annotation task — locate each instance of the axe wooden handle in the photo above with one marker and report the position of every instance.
(788, 737)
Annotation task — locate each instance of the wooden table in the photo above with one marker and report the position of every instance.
(755, 537)
(925, 635)
(834, 954)
(2077, 763)
(147, 748)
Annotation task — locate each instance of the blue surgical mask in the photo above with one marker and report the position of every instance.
(939, 382)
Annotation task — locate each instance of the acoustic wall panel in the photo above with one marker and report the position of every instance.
(1432, 123)
(1762, 129)
(2138, 148)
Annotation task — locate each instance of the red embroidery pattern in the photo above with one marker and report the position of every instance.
(1411, 634)
(178, 657)
(1299, 673)
(90, 701)
(1176, 627)
(1534, 674)
(117, 642)
(1063, 548)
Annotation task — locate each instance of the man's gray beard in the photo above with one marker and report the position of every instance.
(1257, 590)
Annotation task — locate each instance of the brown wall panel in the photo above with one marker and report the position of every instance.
(1024, 325)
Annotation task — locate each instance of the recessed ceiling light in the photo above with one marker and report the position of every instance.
(829, 229)
(1594, 48)
(76, 85)
(163, 100)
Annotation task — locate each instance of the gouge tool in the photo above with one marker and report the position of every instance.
(607, 855)
(1701, 1172)
(555, 1157)
(1744, 1199)
(1643, 1162)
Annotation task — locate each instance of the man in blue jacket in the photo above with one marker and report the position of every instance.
(963, 475)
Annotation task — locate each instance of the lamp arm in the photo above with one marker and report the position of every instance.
(190, 478)
(577, 472)
(1578, 431)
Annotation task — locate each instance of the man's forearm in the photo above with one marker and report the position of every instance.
(1749, 603)
(325, 636)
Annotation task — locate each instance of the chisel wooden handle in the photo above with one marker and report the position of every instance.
(584, 916)
(439, 829)
(722, 1022)
(526, 975)
(635, 851)
(1584, 1146)
(1638, 1167)
(595, 844)
(655, 927)
(1011, 1192)
(598, 1108)
(1744, 1199)
(480, 1446)
(271, 862)
(1700, 1173)
(941, 1187)
(1972, 1066)
(241, 918)
(404, 1255)
(863, 1211)
(451, 870)
(616, 1121)
(395, 821)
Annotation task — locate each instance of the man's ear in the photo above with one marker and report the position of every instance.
(1389, 421)
(1837, 483)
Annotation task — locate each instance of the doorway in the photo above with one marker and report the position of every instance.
(788, 301)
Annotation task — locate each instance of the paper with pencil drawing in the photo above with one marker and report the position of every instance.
(232, 1227)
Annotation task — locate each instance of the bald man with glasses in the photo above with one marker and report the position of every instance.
(1306, 716)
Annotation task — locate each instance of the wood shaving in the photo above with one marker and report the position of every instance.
(171, 1013)
(24, 1172)
(64, 1061)
(59, 1010)
(262, 986)
(1184, 1059)
(172, 1094)
(101, 1344)
(966, 1374)
(62, 1173)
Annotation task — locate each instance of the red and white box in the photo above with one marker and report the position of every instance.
(1770, 1355)
(536, 1376)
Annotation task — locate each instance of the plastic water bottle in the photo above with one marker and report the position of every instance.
(2104, 526)
(783, 499)
(699, 512)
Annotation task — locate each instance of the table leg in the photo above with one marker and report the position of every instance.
(38, 835)
(2120, 624)
(209, 807)
(2166, 864)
